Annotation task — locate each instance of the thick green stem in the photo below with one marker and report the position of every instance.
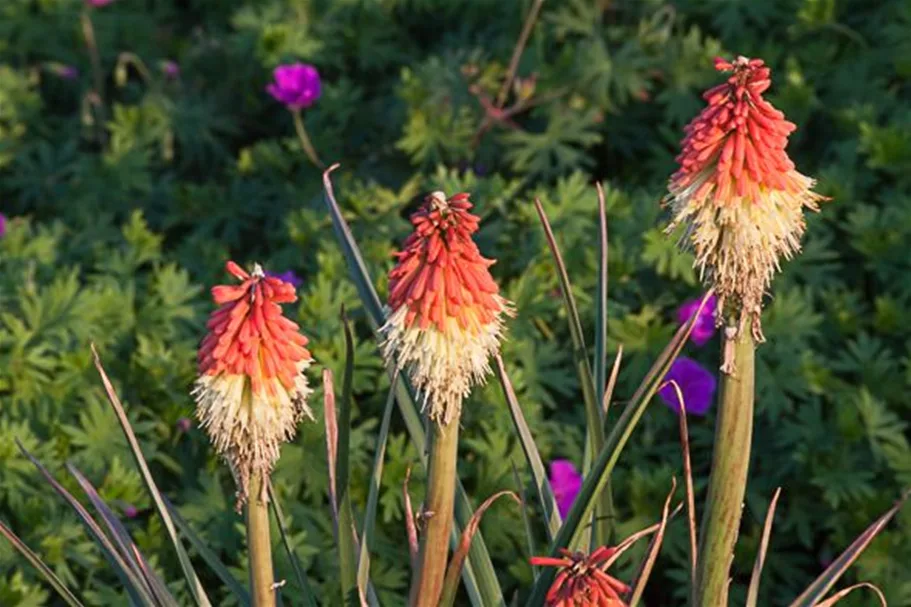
(728, 478)
(427, 579)
(259, 545)
(309, 150)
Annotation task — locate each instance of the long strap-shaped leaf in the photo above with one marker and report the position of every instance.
(594, 417)
(305, 590)
(753, 590)
(603, 466)
(478, 574)
(41, 566)
(132, 583)
(818, 589)
(532, 456)
(196, 589)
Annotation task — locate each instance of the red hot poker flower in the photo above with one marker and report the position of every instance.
(251, 391)
(737, 192)
(445, 313)
(582, 580)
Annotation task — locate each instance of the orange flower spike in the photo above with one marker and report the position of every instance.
(582, 580)
(252, 391)
(444, 314)
(737, 193)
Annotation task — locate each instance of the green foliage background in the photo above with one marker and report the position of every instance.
(117, 244)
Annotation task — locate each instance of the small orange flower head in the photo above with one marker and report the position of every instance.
(445, 314)
(582, 580)
(252, 391)
(737, 193)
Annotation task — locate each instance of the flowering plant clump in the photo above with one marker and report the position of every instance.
(737, 193)
(252, 391)
(445, 314)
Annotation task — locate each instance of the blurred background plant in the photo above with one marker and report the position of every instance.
(116, 218)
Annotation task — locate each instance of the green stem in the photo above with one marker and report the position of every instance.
(309, 150)
(427, 579)
(88, 33)
(259, 545)
(728, 478)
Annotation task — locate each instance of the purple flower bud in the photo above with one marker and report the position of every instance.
(184, 424)
(566, 482)
(296, 85)
(704, 327)
(288, 276)
(130, 511)
(170, 69)
(696, 384)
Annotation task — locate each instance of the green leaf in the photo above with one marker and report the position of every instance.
(833, 572)
(306, 591)
(42, 568)
(367, 532)
(532, 456)
(199, 593)
(594, 416)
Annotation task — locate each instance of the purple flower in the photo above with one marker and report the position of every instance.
(704, 327)
(98, 3)
(130, 511)
(2, 225)
(566, 481)
(170, 69)
(288, 276)
(184, 424)
(696, 384)
(296, 85)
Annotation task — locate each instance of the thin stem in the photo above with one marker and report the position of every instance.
(728, 478)
(427, 579)
(309, 150)
(259, 545)
(88, 33)
(518, 50)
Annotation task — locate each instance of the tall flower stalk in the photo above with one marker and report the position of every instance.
(741, 202)
(444, 322)
(250, 396)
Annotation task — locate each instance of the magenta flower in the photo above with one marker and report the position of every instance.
(696, 384)
(288, 276)
(296, 85)
(170, 69)
(565, 481)
(2, 225)
(130, 511)
(98, 3)
(704, 327)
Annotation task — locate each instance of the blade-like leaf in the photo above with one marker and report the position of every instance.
(196, 589)
(451, 583)
(132, 583)
(601, 300)
(410, 527)
(690, 493)
(753, 591)
(363, 566)
(612, 382)
(346, 530)
(306, 591)
(594, 417)
(573, 525)
(478, 574)
(124, 542)
(331, 419)
(526, 521)
(536, 465)
(40, 565)
(833, 572)
(829, 602)
(645, 571)
(208, 555)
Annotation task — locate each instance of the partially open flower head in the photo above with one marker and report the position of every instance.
(252, 391)
(737, 192)
(583, 579)
(445, 314)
